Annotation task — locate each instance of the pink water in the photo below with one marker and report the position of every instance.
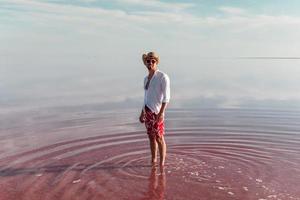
(221, 154)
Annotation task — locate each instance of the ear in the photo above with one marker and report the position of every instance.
(144, 57)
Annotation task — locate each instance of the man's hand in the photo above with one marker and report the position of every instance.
(142, 117)
(160, 116)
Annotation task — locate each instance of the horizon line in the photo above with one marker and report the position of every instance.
(269, 57)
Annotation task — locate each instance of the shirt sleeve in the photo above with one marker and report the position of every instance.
(166, 89)
(144, 83)
(144, 92)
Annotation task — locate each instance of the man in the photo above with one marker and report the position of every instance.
(157, 96)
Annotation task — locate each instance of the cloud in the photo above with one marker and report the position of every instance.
(88, 1)
(74, 13)
(158, 4)
(247, 31)
(246, 35)
(232, 10)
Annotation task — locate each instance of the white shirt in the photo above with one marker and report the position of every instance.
(158, 91)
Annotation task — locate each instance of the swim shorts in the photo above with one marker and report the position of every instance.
(154, 128)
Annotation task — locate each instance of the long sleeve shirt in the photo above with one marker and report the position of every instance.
(158, 91)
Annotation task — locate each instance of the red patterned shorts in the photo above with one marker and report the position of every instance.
(154, 128)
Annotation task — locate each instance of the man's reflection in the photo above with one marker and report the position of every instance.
(157, 183)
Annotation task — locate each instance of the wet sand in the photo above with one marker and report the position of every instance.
(212, 154)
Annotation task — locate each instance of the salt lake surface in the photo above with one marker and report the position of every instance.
(90, 153)
(72, 131)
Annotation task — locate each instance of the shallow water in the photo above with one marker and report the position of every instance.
(68, 153)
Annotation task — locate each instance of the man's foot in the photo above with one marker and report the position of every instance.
(162, 163)
(153, 162)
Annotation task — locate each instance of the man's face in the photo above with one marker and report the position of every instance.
(151, 63)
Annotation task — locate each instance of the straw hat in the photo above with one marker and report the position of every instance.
(150, 55)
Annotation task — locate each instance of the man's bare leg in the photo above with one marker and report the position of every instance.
(153, 147)
(162, 149)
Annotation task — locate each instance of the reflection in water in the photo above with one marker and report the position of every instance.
(220, 154)
(157, 184)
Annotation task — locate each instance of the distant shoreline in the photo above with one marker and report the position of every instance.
(269, 58)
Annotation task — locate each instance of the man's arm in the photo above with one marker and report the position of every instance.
(142, 116)
(163, 107)
(165, 86)
(161, 113)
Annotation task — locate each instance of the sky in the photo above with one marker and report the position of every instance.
(81, 50)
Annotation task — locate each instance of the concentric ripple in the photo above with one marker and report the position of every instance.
(212, 154)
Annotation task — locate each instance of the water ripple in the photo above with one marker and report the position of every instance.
(212, 154)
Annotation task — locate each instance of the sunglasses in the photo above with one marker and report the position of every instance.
(150, 61)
